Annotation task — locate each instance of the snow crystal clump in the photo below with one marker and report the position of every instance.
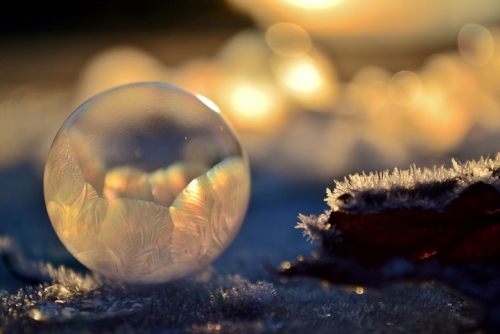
(243, 297)
(65, 279)
(424, 188)
(316, 226)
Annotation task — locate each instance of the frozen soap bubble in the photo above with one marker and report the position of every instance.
(144, 183)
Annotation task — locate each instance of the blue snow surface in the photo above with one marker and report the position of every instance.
(235, 295)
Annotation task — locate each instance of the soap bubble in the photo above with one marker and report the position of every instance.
(144, 183)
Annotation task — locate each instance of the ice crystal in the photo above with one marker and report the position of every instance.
(423, 188)
(314, 226)
(72, 281)
(244, 297)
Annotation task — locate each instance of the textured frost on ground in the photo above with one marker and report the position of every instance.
(188, 306)
(231, 304)
(243, 297)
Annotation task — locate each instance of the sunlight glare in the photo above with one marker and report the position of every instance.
(302, 76)
(248, 100)
(209, 103)
(313, 4)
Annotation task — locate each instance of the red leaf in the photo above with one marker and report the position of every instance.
(469, 227)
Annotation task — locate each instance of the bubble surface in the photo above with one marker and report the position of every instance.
(144, 183)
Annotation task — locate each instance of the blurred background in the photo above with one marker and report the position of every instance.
(316, 89)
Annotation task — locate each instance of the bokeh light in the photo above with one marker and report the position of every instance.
(358, 25)
(256, 106)
(405, 88)
(379, 83)
(119, 66)
(287, 39)
(476, 44)
(309, 80)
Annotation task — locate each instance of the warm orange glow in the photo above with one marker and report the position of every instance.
(245, 90)
(199, 76)
(118, 66)
(405, 88)
(313, 4)
(309, 80)
(126, 182)
(440, 71)
(369, 89)
(428, 254)
(250, 101)
(302, 76)
(374, 97)
(285, 265)
(251, 105)
(362, 17)
(362, 25)
(245, 53)
(359, 290)
(444, 121)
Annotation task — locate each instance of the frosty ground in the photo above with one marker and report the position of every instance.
(235, 295)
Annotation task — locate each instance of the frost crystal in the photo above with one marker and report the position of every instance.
(244, 297)
(69, 280)
(416, 188)
(421, 188)
(315, 226)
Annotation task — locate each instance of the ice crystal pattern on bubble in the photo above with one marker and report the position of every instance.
(144, 183)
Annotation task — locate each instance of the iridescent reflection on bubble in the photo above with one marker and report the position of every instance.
(144, 183)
